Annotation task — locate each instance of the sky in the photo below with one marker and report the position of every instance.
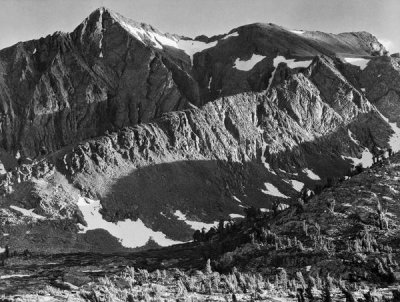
(22, 20)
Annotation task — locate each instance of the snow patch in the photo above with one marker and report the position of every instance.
(394, 141)
(237, 199)
(13, 276)
(190, 47)
(282, 206)
(365, 160)
(248, 64)
(297, 185)
(234, 34)
(366, 156)
(34, 51)
(130, 233)
(159, 41)
(271, 78)
(360, 62)
(291, 63)
(270, 189)
(298, 32)
(311, 174)
(27, 213)
(352, 137)
(236, 216)
(265, 210)
(263, 161)
(195, 225)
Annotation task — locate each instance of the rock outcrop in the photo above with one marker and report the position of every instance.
(381, 79)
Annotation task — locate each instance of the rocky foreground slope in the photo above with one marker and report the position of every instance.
(342, 243)
(267, 111)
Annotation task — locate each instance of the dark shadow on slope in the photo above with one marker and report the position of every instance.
(204, 191)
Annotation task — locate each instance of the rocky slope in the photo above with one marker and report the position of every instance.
(382, 85)
(349, 233)
(262, 130)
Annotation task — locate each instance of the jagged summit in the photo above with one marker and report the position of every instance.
(103, 19)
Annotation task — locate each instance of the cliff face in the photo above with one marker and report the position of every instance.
(219, 70)
(271, 111)
(112, 72)
(237, 151)
(381, 79)
(105, 75)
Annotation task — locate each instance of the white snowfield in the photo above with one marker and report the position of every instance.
(2, 250)
(248, 64)
(297, 185)
(291, 63)
(234, 34)
(190, 47)
(159, 40)
(366, 157)
(365, 160)
(298, 32)
(27, 213)
(360, 62)
(270, 189)
(233, 215)
(311, 174)
(394, 140)
(195, 225)
(237, 199)
(140, 34)
(263, 161)
(130, 233)
(352, 137)
(13, 276)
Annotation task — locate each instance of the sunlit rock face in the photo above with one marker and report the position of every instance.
(100, 112)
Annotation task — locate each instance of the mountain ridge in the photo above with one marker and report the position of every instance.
(108, 111)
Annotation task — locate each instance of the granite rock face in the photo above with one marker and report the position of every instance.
(100, 111)
(381, 79)
(103, 76)
(112, 72)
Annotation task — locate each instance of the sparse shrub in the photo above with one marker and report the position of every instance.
(232, 283)
(305, 227)
(347, 293)
(182, 292)
(300, 295)
(208, 269)
(331, 205)
(327, 290)
(301, 280)
(310, 288)
(282, 277)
